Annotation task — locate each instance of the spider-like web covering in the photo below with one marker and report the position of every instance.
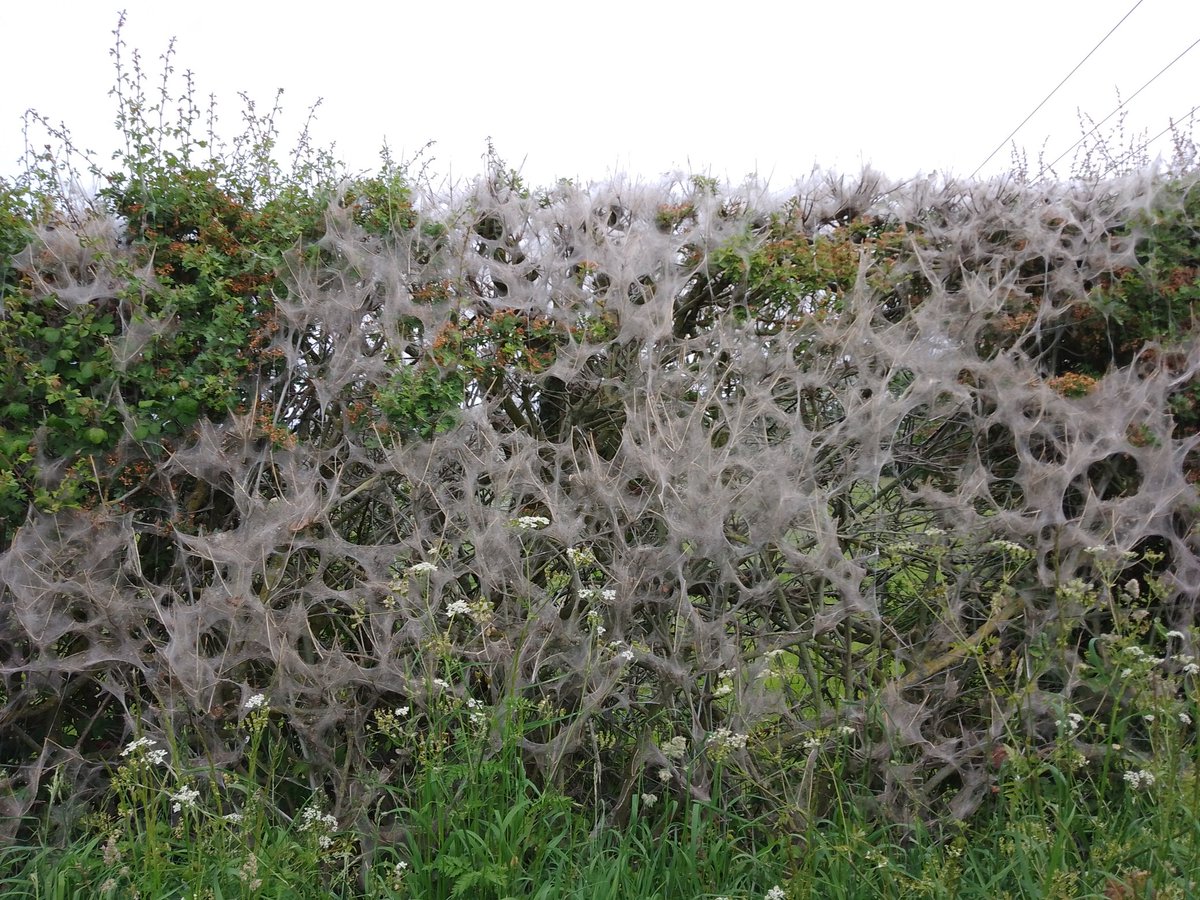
(792, 492)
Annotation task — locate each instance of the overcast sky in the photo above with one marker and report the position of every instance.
(588, 89)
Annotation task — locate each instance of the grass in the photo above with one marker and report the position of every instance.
(474, 824)
(1108, 807)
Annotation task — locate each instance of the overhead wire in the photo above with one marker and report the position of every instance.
(1046, 168)
(1011, 134)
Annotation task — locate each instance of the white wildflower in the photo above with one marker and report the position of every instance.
(458, 608)
(1178, 635)
(1185, 718)
(441, 683)
(401, 711)
(675, 748)
(315, 820)
(1140, 779)
(648, 800)
(1133, 588)
(157, 757)
(185, 796)
(138, 745)
(256, 702)
(1071, 723)
(527, 522)
(582, 556)
(421, 568)
(233, 818)
(604, 595)
(664, 774)
(776, 893)
(626, 655)
(725, 739)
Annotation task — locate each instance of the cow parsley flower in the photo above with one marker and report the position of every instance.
(582, 556)
(422, 568)
(458, 608)
(312, 819)
(256, 702)
(1139, 779)
(137, 745)
(675, 748)
(724, 739)
(185, 796)
(526, 523)
(1071, 723)
(604, 595)
(776, 893)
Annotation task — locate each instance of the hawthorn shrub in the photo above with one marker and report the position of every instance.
(682, 484)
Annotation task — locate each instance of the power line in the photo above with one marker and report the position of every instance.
(1001, 145)
(1119, 107)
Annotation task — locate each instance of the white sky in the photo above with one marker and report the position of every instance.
(586, 90)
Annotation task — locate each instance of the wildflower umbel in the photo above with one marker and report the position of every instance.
(1139, 779)
(722, 742)
(675, 748)
(525, 523)
(312, 819)
(184, 797)
(140, 750)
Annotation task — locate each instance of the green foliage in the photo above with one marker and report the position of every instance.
(187, 332)
(423, 398)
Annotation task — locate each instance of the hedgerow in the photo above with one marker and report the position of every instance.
(687, 483)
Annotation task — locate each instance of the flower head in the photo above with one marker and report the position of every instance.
(137, 745)
(1139, 779)
(675, 748)
(527, 522)
(185, 796)
(256, 702)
